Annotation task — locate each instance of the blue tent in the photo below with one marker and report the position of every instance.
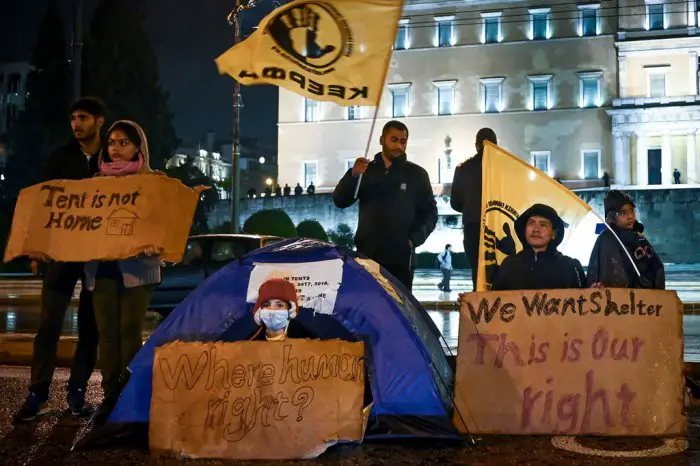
(409, 377)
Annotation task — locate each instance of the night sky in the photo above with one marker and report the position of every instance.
(186, 36)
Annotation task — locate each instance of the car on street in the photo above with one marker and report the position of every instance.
(204, 255)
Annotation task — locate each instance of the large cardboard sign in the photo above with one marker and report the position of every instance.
(256, 399)
(593, 362)
(103, 218)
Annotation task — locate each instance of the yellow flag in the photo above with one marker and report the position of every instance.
(509, 187)
(330, 50)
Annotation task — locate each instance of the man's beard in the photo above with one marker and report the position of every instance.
(85, 136)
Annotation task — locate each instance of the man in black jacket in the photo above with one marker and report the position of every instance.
(397, 207)
(539, 266)
(77, 160)
(466, 198)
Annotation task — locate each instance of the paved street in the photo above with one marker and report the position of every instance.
(47, 442)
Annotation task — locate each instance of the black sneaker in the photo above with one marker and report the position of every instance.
(33, 407)
(76, 402)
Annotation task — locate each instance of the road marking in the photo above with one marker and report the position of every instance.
(671, 446)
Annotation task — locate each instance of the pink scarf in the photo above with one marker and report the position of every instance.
(121, 167)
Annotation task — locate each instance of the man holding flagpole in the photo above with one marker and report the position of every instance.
(397, 207)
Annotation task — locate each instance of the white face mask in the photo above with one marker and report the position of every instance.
(275, 320)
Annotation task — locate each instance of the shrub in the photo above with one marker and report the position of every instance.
(342, 235)
(273, 222)
(312, 229)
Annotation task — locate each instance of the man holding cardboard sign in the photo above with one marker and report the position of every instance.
(77, 160)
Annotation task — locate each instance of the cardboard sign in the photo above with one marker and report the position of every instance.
(317, 282)
(256, 399)
(575, 362)
(103, 218)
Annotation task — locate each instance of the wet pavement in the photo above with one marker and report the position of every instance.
(48, 440)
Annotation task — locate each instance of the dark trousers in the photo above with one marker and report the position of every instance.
(58, 286)
(472, 231)
(446, 275)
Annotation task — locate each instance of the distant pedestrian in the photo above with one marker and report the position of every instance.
(298, 190)
(268, 191)
(676, 176)
(311, 190)
(445, 261)
(287, 190)
(251, 193)
(278, 191)
(606, 180)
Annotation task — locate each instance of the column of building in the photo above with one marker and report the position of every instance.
(621, 156)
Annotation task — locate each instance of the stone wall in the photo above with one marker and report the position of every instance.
(670, 215)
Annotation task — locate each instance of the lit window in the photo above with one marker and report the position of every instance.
(656, 16)
(399, 100)
(590, 161)
(539, 24)
(589, 20)
(445, 97)
(491, 31)
(491, 95)
(402, 36)
(589, 95)
(354, 112)
(657, 84)
(540, 92)
(445, 26)
(310, 110)
(540, 160)
(310, 170)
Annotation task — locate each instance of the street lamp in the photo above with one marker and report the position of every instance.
(268, 181)
(261, 160)
(234, 19)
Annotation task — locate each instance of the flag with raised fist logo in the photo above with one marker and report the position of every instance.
(325, 50)
(509, 187)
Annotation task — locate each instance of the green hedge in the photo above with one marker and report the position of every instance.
(274, 222)
(312, 229)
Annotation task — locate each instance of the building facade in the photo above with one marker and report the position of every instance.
(656, 119)
(13, 92)
(542, 75)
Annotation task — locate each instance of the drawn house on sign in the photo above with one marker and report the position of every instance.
(121, 222)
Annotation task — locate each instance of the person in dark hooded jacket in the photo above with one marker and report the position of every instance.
(610, 266)
(539, 266)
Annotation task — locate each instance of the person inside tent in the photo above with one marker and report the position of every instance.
(275, 311)
(539, 266)
(610, 265)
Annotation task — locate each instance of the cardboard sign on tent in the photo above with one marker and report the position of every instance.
(575, 362)
(103, 218)
(256, 399)
(410, 380)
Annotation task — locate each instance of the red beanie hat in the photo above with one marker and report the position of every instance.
(277, 288)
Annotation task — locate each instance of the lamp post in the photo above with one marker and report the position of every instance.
(234, 19)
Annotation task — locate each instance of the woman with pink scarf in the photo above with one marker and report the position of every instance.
(121, 288)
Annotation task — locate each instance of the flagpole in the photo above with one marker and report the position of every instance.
(369, 141)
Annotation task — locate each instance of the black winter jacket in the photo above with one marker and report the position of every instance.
(547, 270)
(396, 204)
(466, 190)
(69, 163)
(610, 265)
